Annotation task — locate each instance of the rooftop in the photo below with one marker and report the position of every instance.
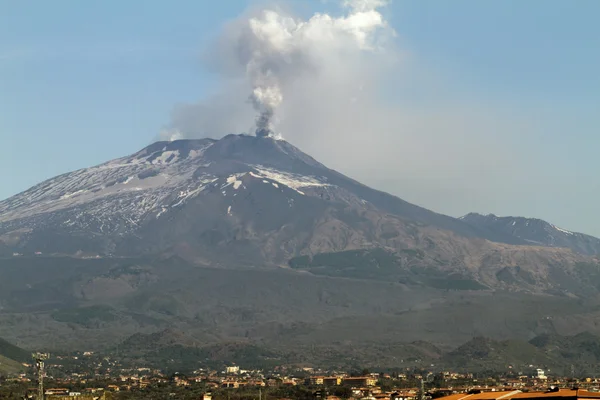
(517, 394)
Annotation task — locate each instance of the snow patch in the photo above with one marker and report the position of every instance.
(274, 184)
(293, 181)
(562, 230)
(196, 153)
(114, 197)
(229, 210)
(161, 212)
(184, 195)
(233, 180)
(69, 195)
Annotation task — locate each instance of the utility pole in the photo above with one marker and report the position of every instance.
(40, 359)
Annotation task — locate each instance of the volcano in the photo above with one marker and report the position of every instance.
(258, 201)
(249, 239)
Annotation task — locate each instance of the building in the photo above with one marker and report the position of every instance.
(403, 395)
(316, 380)
(551, 394)
(332, 381)
(230, 384)
(57, 392)
(233, 370)
(76, 396)
(360, 381)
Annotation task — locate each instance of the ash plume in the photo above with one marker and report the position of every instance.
(269, 50)
(265, 100)
(344, 88)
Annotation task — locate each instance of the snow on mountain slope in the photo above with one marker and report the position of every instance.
(125, 189)
(99, 206)
(117, 196)
(245, 200)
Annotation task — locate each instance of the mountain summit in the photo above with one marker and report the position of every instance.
(249, 240)
(246, 200)
(111, 207)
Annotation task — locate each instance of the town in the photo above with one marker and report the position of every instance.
(233, 382)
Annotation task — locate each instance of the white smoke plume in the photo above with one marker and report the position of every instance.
(271, 51)
(275, 48)
(352, 93)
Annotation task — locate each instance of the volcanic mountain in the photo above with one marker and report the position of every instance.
(231, 192)
(257, 201)
(249, 243)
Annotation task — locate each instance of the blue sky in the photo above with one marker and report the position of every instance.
(84, 82)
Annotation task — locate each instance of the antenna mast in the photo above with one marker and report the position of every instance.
(40, 359)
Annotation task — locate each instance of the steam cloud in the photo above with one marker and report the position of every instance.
(271, 50)
(343, 89)
(274, 48)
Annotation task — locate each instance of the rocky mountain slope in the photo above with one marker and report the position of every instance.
(254, 201)
(249, 239)
(535, 231)
(118, 207)
(169, 309)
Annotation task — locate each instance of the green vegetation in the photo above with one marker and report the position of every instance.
(13, 352)
(351, 259)
(363, 264)
(12, 390)
(86, 316)
(416, 253)
(187, 358)
(434, 278)
(10, 367)
(152, 302)
(11, 358)
(455, 284)
(589, 273)
(129, 269)
(379, 264)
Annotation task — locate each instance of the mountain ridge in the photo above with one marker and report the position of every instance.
(254, 201)
(160, 155)
(536, 231)
(249, 240)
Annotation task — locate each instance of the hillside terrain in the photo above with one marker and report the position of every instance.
(259, 202)
(558, 354)
(12, 358)
(535, 231)
(251, 244)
